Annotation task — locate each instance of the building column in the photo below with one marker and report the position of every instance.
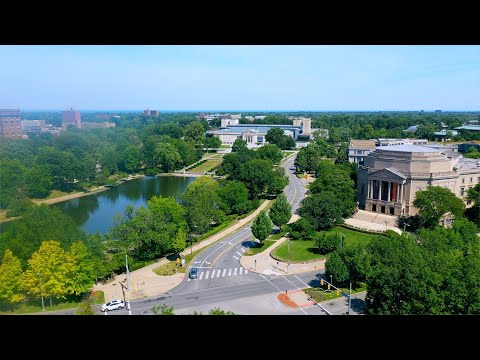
(369, 187)
(380, 189)
(400, 187)
(389, 191)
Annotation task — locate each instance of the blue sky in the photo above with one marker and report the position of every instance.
(240, 77)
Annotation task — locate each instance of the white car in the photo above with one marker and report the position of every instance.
(113, 305)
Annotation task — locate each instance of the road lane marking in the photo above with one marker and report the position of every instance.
(239, 254)
(281, 291)
(236, 258)
(242, 233)
(241, 269)
(303, 282)
(243, 250)
(224, 271)
(188, 279)
(229, 272)
(246, 271)
(201, 275)
(219, 271)
(235, 272)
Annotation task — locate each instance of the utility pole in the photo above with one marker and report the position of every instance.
(128, 272)
(127, 303)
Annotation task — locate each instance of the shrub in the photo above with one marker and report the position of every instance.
(301, 229)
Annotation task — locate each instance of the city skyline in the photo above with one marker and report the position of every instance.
(241, 78)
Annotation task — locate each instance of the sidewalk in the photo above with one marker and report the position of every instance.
(145, 283)
(263, 263)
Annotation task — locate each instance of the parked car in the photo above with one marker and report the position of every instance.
(113, 305)
(193, 273)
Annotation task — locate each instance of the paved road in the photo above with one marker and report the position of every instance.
(219, 264)
(257, 296)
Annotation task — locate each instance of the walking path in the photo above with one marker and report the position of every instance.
(145, 283)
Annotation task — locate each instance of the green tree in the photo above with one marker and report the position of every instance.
(281, 211)
(11, 289)
(194, 132)
(40, 223)
(335, 266)
(12, 177)
(278, 137)
(262, 226)
(163, 310)
(356, 260)
(301, 229)
(202, 204)
(167, 156)
(218, 311)
(322, 210)
(271, 152)
(130, 159)
(399, 281)
(81, 269)
(234, 195)
(472, 153)
(258, 176)
(436, 201)
(86, 306)
(39, 181)
(48, 267)
(239, 145)
(327, 243)
(180, 242)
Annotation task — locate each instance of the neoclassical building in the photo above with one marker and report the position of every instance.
(391, 175)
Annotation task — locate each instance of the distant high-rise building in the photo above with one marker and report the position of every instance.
(71, 117)
(11, 124)
(146, 112)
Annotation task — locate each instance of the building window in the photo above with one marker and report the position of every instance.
(382, 209)
(463, 180)
(374, 207)
(478, 179)
(363, 189)
(392, 210)
(471, 180)
(462, 191)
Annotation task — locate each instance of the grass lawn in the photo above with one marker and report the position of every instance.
(353, 237)
(169, 268)
(321, 293)
(303, 250)
(259, 247)
(225, 146)
(55, 194)
(26, 308)
(207, 166)
(300, 250)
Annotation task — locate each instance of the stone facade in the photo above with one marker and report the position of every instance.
(390, 176)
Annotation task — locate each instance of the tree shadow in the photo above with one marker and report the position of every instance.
(251, 244)
(172, 257)
(358, 305)
(316, 282)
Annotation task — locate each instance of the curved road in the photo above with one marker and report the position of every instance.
(223, 282)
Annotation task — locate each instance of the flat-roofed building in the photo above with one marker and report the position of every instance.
(358, 149)
(98, 125)
(71, 117)
(11, 124)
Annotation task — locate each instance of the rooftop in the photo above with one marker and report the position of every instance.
(407, 148)
(469, 127)
(362, 144)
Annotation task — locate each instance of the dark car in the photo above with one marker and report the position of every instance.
(193, 273)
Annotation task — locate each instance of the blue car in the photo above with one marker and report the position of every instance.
(193, 273)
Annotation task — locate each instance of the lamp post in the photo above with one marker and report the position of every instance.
(342, 237)
(405, 225)
(331, 279)
(41, 291)
(288, 267)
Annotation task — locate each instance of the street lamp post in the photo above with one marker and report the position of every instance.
(288, 267)
(331, 279)
(41, 291)
(342, 237)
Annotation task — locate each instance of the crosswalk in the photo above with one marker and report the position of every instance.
(219, 273)
(238, 254)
